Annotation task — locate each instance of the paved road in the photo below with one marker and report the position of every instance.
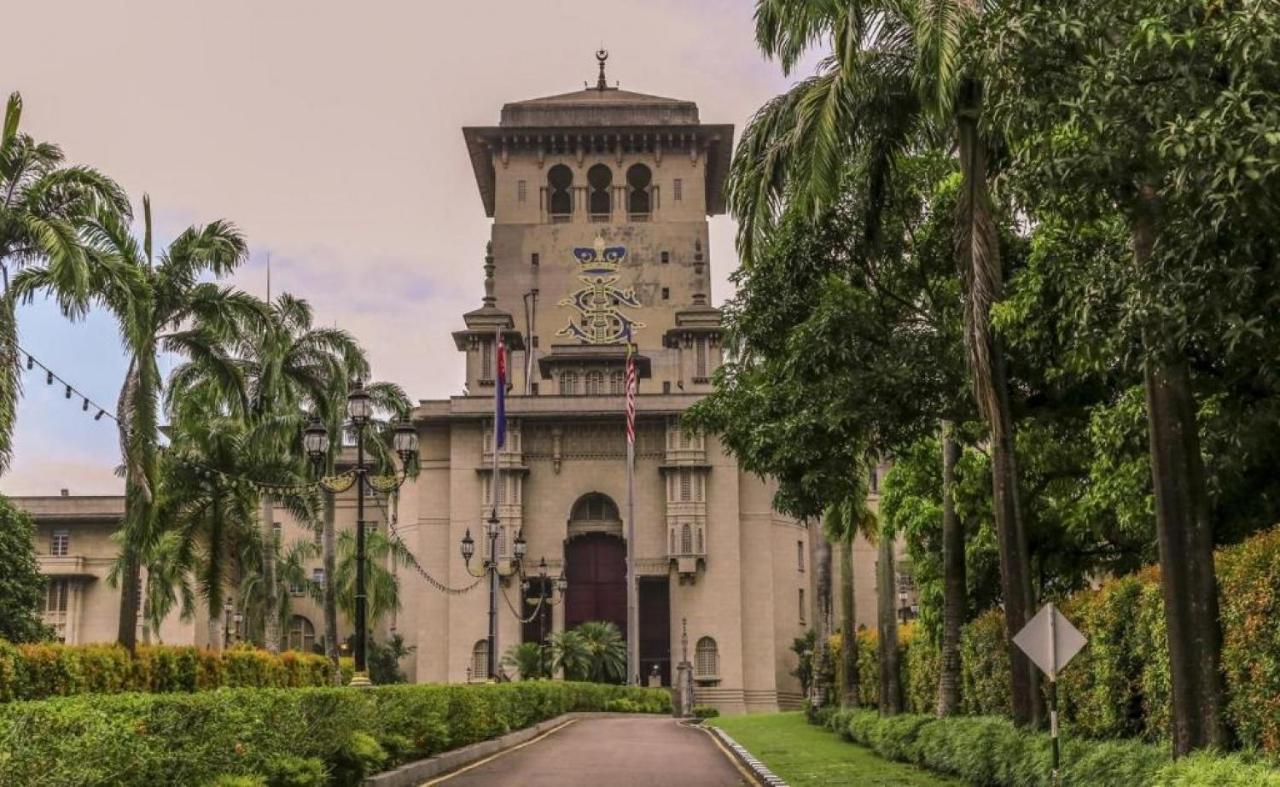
(618, 751)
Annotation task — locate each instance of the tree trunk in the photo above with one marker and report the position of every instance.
(887, 625)
(136, 411)
(848, 625)
(270, 590)
(329, 545)
(217, 634)
(953, 580)
(1184, 533)
(978, 256)
(822, 615)
(10, 376)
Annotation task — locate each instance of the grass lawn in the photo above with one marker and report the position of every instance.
(807, 755)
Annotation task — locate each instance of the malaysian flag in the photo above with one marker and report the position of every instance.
(631, 388)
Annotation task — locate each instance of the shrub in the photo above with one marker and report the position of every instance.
(704, 712)
(290, 771)
(273, 736)
(37, 671)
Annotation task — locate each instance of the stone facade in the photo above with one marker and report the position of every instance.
(599, 200)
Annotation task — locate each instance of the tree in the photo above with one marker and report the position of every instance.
(42, 214)
(894, 73)
(382, 586)
(953, 587)
(847, 520)
(530, 659)
(1164, 114)
(821, 615)
(570, 656)
(887, 626)
(22, 587)
(606, 651)
(153, 302)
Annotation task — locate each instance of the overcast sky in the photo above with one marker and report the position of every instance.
(329, 131)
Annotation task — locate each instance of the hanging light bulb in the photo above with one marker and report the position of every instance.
(85, 407)
(48, 377)
(31, 363)
(68, 392)
(98, 417)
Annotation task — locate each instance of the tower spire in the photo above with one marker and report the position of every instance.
(602, 55)
(490, 300)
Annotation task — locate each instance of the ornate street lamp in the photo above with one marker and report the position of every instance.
(315, 440)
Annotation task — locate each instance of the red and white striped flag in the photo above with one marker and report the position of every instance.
(631, 389)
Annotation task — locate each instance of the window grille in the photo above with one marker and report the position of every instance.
(60, 543)
(706, 663)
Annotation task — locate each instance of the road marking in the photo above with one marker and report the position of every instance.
(493, 757)
(748, 775)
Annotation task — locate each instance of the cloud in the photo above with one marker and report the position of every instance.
(330, 133)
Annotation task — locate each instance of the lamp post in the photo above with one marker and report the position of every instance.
(315, 439)
(544, 598)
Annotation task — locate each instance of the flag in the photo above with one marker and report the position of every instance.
(631, 388)
(500, 397)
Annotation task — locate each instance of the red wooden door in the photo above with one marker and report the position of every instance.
(597, 573)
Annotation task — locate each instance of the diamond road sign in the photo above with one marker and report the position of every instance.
(1050, 640)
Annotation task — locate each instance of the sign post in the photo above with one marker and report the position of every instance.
(1050, 641)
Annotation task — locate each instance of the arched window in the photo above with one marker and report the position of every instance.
(568, 383)
(638, 201)
(560, 192)
(595, 383)
(302, 634)
(595, 507)
(480, 660)
(599, 201)
(706, 659)
(686, 540)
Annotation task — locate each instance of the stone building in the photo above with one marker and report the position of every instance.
(599, 200)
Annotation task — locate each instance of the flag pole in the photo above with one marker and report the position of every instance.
(633, 610)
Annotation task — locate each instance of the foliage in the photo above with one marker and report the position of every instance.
(606, 651)
(22, 588)
(37, 671)
(569, 653)
(141, 739)
(532, 660)
(704, 712)
(290, 771)
(384, 660)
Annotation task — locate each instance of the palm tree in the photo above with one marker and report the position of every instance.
(382, 586)
(953, 581)
(262, 607)
(154, 302)
(527, 658)
(43, 206)
(822, 615)
(847, 520)
(569, 655)
(606, 651)
(894, 76)
(209, 511)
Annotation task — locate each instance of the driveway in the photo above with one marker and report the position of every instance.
(621, 751)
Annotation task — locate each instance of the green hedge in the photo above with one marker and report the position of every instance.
(274, 736)
(1119, 685)
(33, 672)
(990, 751)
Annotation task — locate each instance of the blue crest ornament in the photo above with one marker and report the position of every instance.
(599, 319)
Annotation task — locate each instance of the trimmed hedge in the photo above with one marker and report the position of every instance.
(33, 672)
(1119, 685)
(309, 736)
(991, 751)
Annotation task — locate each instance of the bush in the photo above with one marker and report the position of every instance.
(273, 735)
(33, 672)
(704, 712)
(1119, 685)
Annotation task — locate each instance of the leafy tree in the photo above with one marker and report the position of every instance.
(382, 586)
(895, 73)
(42, 215)
(1164, 113)
(22, 587)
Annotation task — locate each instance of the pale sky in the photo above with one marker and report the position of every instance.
(329, 132)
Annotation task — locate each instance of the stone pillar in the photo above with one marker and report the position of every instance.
(683, 702)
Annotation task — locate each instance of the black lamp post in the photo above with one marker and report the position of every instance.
(545, 599)
(315, 439)
(491, 568)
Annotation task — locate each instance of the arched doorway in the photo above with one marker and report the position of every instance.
(596, 564)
